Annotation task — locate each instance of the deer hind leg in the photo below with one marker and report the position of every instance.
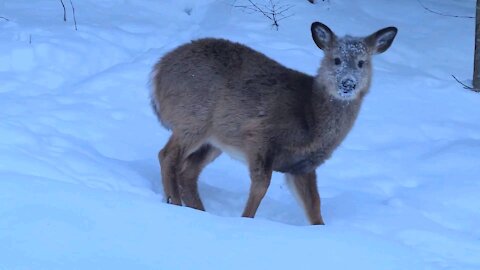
(305, 187)
(260, 173)
(191, 167)
(169, 158)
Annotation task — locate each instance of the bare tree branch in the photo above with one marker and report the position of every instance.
(443, 14)
(259, 9)
(465, 86)
(1, 17)
(272, 10)
(64, 11)
(288, 16)
(313, 1)
(74, 17)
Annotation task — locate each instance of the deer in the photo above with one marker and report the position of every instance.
(220, 96)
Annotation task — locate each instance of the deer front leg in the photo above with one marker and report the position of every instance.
(260, 174)
(305, 187)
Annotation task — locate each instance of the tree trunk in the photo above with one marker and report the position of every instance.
(476, 63)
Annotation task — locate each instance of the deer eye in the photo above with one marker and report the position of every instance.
(361, 63)
(337, 61)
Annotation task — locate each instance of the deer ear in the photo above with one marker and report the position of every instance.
(322, 35)
(381, 40)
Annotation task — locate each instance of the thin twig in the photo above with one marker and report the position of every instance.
(74, 17)
(64, 11)
(443, 14)
(271, 10)
(247, 7)
(288, 16)
(464, 85)
(1, 17)
(313, 1)
(284, 10)
(260, 10)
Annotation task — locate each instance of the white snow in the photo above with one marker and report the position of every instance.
(79, 177)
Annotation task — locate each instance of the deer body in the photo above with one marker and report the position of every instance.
(219, 96)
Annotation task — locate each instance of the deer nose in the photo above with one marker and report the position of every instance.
(349, 84)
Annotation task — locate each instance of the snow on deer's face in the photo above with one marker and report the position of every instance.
(346, 69)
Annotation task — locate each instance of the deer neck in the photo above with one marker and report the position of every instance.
(330, 115)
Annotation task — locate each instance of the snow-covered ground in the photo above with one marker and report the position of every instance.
(79, 177)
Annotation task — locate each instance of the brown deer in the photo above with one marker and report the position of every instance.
(216, 95)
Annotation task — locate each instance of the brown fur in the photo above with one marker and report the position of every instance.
(217, 95)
